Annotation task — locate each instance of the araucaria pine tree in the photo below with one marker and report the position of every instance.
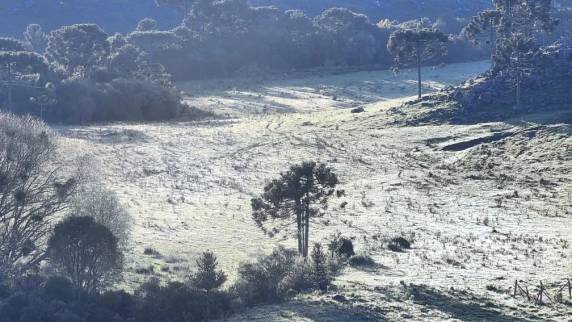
(524, 20)
(414, 46)
(515, 26)
(301, 192)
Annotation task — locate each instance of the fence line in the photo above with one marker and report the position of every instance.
(542, 296)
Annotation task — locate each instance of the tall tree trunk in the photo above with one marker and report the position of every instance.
(10, 87)
(307, 235)
(307, 226)
(299, 226)
(518, 88)
(9, 97)
(302, 229)
(493, 43)
(419, 70)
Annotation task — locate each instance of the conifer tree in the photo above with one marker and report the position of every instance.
(514, 23)
(320, 267)
(208, 278)
(414, 46)
(302, 192)
(516, 26)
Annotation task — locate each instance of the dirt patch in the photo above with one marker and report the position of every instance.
(461, 146)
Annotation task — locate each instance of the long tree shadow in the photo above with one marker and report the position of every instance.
(466, 306)
(300, 310)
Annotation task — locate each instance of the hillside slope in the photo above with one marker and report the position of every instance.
(480, 216)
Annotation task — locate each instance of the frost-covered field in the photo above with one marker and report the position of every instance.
(480, 217)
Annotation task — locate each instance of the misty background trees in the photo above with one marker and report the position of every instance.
(80, 73)
(517, 32)
(226, 38)
(81, 77)
(122, 15)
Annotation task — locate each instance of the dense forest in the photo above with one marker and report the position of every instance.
(203, 39)
(122, 15)
(215, 39)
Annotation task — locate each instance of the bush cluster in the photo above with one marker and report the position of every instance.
(81, 255)
(84, 76)
(83, 101)
(283, 273)
(271, 278)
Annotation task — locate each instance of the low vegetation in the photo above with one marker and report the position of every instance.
(83, 252)
(361, 261)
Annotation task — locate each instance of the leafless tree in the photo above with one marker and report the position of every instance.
(103, 206)
(33, 189)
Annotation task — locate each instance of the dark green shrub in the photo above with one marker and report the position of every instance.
(283, 273)
(177, 302)
(11, 308)
(322, 277)
(341, 246)
(361, 261)
(300, 278)
(67, 316)
(82, 101)
(398, 244)
(119, 302)
(36, 310)
(208, 277)
(263, 280)
(76, 241)
(4, 288)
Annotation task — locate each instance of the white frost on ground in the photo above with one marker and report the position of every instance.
(483, 216)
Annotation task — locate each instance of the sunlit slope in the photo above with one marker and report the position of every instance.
(485, 213)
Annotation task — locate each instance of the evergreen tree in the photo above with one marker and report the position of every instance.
(20, 68)
(511, 20)
(414, 46)
(303, 192)
(36, 37)
(320, 267)
(208, 278)
(517, 26)
(77, 49)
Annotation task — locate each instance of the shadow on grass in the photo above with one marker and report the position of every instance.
(300, 310)
(370, 268)
(466, 306)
